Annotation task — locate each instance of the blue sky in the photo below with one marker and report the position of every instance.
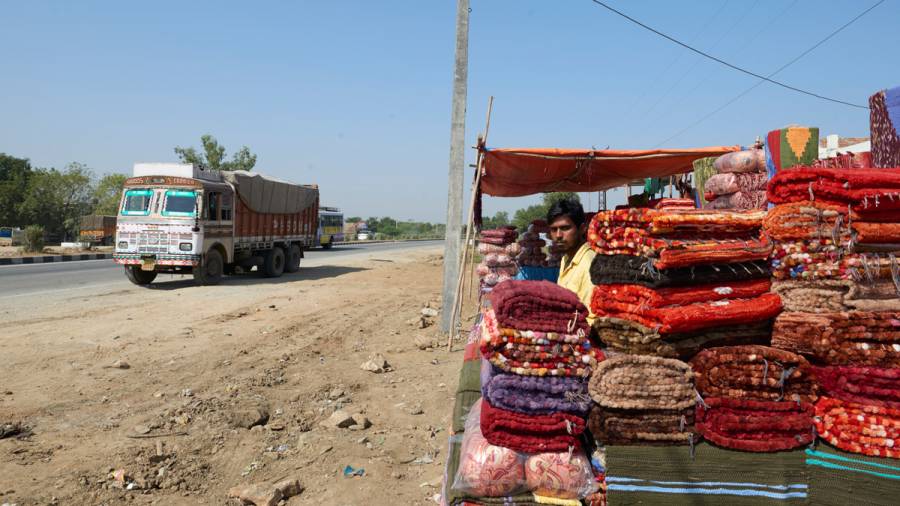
(355, 95)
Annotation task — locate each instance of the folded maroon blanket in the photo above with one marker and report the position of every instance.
(874, 386)
(755, 426)
(753, 372)
(556, 432)
(538, 305)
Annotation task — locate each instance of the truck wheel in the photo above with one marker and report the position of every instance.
(139, 277)
(273, 262)
(209, 272)
(293, 259)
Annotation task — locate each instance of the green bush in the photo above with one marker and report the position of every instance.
(34, 238)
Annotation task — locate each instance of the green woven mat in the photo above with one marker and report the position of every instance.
(670, 476)
(838, 478)
(468, 391)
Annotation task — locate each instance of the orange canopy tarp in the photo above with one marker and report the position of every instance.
(513, 172)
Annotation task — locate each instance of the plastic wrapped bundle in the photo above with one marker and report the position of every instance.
(532, 245)
(746, 161)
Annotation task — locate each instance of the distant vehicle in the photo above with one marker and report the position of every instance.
(11, 236)
(364, 235)
(98, 229)
(179, 218)
(331, 226)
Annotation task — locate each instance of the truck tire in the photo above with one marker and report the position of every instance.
(292, 263)
(139, 277)
(210, 270)
(273, 262)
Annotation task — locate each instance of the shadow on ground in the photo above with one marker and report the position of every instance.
(254, 278)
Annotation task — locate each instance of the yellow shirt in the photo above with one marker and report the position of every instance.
(575, 274)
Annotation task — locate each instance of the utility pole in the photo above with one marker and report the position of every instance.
(456, 171)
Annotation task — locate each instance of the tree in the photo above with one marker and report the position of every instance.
(213, 156)
(108, 193)
(353, 219)
(499, 219)
(14, 176)
(525, 216)
(57, 200)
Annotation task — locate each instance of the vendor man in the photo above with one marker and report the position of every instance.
(568, 228)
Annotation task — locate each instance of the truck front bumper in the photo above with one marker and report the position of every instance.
(157, 258)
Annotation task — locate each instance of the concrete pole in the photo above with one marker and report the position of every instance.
(456, 172)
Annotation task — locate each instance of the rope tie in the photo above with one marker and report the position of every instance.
(815, 438)
(700, 399)
(895, 273)
(571, 325)
(569, 427)
(765, 370)
(682, 423)
(691, 440)
(812, 197)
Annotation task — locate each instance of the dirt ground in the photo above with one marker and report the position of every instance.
(206, 363)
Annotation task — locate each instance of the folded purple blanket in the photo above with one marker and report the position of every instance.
(534, 395)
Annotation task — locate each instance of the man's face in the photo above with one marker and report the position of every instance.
(564, 232)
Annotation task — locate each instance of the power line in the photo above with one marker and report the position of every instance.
(786, 65)
(735, 67)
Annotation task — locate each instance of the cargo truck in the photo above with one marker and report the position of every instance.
(183, 219)
(98, 229)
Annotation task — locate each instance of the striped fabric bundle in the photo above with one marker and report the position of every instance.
(704, 476)
(884, 117)
(791, 146)
(858, 428)
(838, 478)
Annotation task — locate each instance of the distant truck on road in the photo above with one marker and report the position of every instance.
(182, 219)
(98, 229)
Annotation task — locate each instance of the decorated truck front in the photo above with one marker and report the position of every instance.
(181, 219)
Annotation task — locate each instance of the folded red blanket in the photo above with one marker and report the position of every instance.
(876, 386)
(858, 428)
(690, 317)
(538, 305)
(530, 433)
(872, 190)
(754, 373)
(643, 297)
(755, 426)
(661, 222)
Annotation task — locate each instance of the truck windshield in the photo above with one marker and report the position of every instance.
(137, 203)
(180, 203)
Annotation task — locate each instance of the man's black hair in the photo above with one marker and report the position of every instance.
(566, 207)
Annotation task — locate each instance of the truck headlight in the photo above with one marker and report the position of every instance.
(185, 246)
(123, 244)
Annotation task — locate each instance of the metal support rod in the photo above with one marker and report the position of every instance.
(456, 170)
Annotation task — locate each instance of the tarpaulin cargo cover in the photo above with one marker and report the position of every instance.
(514, 172)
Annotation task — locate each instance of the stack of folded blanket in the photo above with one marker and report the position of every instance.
(532, 249)
(642, 400)
(670, 282)
(754, 398)
(537, 359)
(739, 181)
(845, 338)
(673, 238)
(498, 248)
